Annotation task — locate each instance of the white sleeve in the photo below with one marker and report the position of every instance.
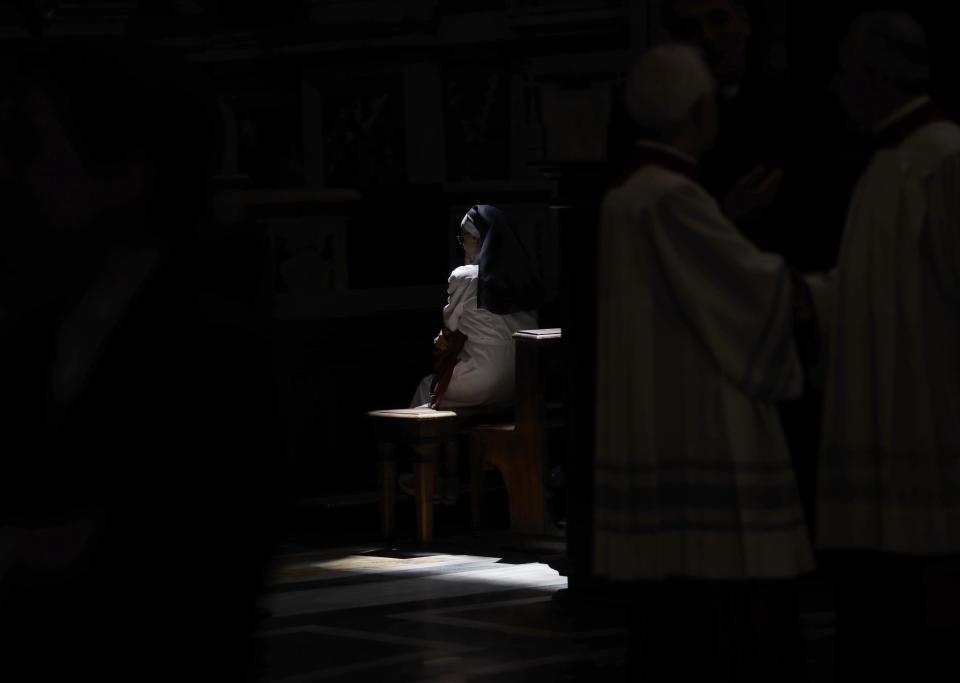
(941, 230)
(736, 299)
(458, 294)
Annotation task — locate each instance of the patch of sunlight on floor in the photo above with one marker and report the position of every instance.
(352, 565)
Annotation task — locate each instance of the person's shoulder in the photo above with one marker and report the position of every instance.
(661, 193)
(685, 198)
(650, 184)
(464, 273)
(945, 135)
(933, 145)
(463, 277)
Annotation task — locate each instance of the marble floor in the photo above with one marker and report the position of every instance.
(435, 613)
(466, 607)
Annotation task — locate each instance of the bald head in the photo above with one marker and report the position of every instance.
(664, 86)
(892, 45)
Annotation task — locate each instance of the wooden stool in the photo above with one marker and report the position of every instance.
(423, 430)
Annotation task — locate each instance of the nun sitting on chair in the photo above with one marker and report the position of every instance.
(495, 293)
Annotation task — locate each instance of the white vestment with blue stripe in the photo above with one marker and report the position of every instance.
(695, 347)
(889, 470)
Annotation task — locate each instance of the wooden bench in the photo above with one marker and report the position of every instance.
(516, 448)
(519, 449)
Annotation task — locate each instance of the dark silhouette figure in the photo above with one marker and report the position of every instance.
(140, 478)
(888, 494)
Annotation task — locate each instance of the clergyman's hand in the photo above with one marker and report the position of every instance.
(440, 342)
(753, 194)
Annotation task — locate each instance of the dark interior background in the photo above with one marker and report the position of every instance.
(359, 133)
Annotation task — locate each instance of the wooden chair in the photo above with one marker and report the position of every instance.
(518, 449)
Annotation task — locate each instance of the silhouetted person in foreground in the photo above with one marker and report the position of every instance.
(888, 499)
(696, 500)
(139, 484)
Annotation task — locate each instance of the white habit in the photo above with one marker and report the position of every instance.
(485, 373)
(695, 346)
(889, 472)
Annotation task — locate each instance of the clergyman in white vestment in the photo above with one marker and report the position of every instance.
(695, 346)
(693, 479)
(888, 499)
(890, 452)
